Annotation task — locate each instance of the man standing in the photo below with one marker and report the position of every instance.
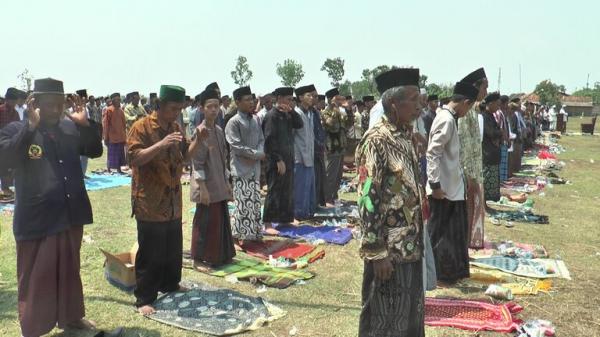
(502, 122)
(51, 208)
(429, 115)
(212, 242)
(134, 111)
(278, 128)
(21, 107)
(390, 206)
(334, 120)
(114, 126)
(152, 104)
(369, 102)
(157, 150)
(246, 144)
(319, 148)
(8, 114)
(304, 149)
(448, 224)
(469, 137)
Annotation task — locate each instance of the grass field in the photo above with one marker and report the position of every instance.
(329, 304)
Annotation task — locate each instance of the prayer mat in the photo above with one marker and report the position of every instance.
(252, 270)
(219, 312)
(482, 278)
(346, 209)
(277, 248)
(520, 216)
(534, 268)
(335, 235)
(509, 248)
(471, 315)
(546, 155)
(506, 203)
(7, 208)
(100, 181)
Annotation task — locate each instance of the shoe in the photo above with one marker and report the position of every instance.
(118, 332)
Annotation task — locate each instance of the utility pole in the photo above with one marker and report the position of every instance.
(499, 77)
(520, 86)
(587, 83)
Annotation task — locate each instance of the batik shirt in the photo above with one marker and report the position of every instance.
(335, 123)
(133, 113)
(390, 197)
(470, 146)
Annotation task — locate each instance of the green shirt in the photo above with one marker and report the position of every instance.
(470, 145)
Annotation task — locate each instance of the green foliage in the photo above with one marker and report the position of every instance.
(549, 92)
(335, 70)
(242, 73)
(423, 81)
(291, 72)
(442, 89)
(594, 93)
(26, 79)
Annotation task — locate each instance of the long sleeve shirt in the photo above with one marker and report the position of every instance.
(156, 185)
(390, 196)
(209, 164)
(50, 192)
(133, 113)
(470, 145)
(319, 132)
(444, 169)
(304, 139)
(278, 127)
(492, 136)
(114, 125)
(246, 144)
(335, 124)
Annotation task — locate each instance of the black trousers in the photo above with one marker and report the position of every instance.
(320, 178)
(158, 260)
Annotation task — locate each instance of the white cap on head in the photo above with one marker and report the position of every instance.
(423, 91)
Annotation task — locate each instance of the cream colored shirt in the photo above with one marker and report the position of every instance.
(443, 156)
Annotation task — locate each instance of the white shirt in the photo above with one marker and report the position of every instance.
(375, 114)
(21, 110)
(565, 113)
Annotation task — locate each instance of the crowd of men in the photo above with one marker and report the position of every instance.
(425, 165)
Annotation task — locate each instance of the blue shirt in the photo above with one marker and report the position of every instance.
(50, 192)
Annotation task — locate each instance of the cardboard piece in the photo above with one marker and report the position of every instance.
(119, 269)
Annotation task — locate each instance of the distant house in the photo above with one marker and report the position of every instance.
(575, 105)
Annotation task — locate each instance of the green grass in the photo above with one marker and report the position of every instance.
(329, 304)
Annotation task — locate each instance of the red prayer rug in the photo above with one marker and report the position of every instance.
(471, 315)
(277, 248)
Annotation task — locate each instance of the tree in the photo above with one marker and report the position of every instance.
(335, 70)
(242, 73)
(423, 81)
(549, 92)
(26, 79)
(290, 72)
(442, 90)
(594, 93)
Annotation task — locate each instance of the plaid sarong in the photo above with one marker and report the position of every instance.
(116, 155)
(503, 163)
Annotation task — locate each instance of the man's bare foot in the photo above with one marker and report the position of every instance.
(183, 288)
(271, 231)
(296, 222)
(202, 267)
(82, 324)
(146, 310)
(329, 205)
(444, 285)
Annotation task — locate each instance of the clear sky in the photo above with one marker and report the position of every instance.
(126, 45)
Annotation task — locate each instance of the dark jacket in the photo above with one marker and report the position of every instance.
(50, 192)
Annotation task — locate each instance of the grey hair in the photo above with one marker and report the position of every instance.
(396, 93)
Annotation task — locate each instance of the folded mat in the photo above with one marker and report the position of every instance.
(509, 248)
(287, 249)
(329, 234)
(214, 311)
(252, 270)
(346, 209)
(482, 278)
(471, 315)
(520, 216)
(103, 181)
(534, 268)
